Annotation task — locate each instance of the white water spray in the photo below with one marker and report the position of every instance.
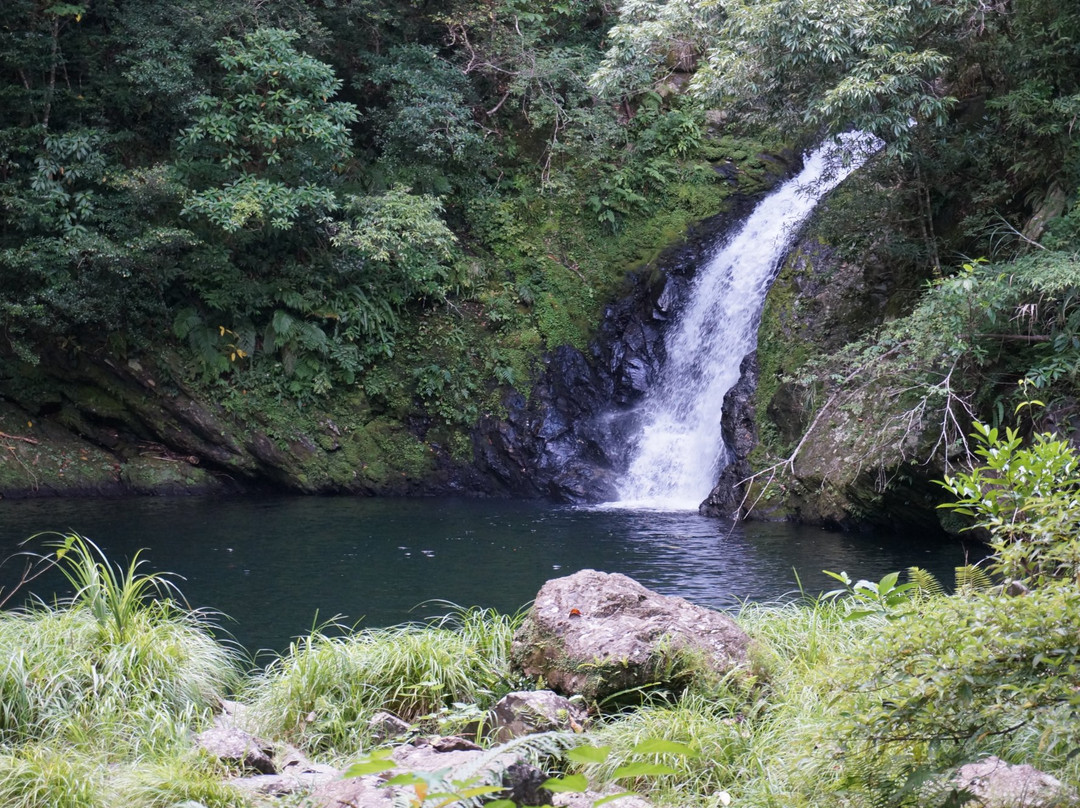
(680, 450)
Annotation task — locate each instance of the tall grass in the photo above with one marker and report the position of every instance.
(753, 737)
(322, 693)
(43, 776)
(118, 676)
(110, 666)
(116, 596)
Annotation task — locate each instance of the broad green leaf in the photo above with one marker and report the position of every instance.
(642, 770)
(588, 754)
(571, 783)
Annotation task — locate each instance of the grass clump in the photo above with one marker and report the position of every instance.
(174, 781)
(100, 694)
(37, 775)
(108, 668)
(324, 690)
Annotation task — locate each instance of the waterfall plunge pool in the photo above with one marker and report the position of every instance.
(278, 566)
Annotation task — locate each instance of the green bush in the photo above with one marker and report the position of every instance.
(959, 678)
(1028, 499)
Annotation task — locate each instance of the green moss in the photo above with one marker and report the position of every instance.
(382, 454)
(780, 352)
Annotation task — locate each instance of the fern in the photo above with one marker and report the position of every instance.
(971, 580)
(926, 585)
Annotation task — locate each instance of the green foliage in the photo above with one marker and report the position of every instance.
(109, 670)
(101, 693)
(399, 245)
(323, 692)
(114, 596)
(262, 149)
(39, 776)
(1028, 499)
(425, 128)
(182, 779)
(802, 62)
(886, 597)
(930, 696)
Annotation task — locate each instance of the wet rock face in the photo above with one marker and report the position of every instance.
(845, 474)
(572, 437)
(740, 436)
(597, 634)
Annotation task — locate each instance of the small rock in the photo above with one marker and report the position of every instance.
(232, 714)
(531, 711)
(356, 792)
(453, 743)
(997, 784)
(306, 773)
(237, 747)
(588, 799)
(386, 726)
(523, 782)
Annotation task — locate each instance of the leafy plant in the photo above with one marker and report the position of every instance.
(260, 152)
(957, 678)
(887, 597)
(115, 596)
(1028, 499)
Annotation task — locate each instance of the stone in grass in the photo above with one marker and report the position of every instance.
(588, 799)
(530, 711)
(993, 783)
(455, 758)
(385, 726)
(598, 634)
(234, 746)
(298, 775)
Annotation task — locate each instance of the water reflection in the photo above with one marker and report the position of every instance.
(278, 566)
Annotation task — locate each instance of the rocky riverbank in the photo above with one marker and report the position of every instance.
(602, 690)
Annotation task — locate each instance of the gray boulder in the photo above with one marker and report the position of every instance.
(239, 748)
(597, 634)
(530, 711)
(997, 784)
(454, 758)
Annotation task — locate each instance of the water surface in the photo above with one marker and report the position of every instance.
(278, 566)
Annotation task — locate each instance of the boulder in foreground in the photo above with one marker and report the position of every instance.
(597, 634)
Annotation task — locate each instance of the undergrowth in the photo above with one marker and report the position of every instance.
(871, 696)
(323, 692)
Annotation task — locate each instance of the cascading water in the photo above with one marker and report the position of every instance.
(680, 449)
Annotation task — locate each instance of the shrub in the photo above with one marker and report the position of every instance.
(1028, 499)
(961, 677)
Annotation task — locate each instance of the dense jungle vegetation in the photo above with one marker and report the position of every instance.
(390, 211)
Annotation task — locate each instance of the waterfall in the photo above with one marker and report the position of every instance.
(680, 451)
